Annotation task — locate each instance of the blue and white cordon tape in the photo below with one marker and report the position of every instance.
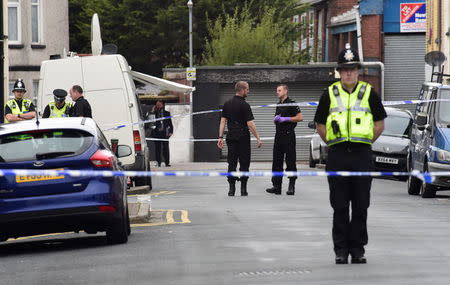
(304, 104)
(427, 177)
(214, 140)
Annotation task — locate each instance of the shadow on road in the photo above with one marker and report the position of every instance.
(50, 245)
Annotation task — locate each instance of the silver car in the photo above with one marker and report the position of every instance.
(318, 149)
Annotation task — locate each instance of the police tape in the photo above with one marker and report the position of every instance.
(215, 140)
(302, 104)
(428, 177)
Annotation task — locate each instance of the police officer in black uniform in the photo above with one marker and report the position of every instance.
(238, 116)
(81, 107)
(350, 117)
(285, 120)
(59, 107)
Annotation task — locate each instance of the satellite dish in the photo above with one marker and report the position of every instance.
(109, 49)
(435, 58)
(96, 37)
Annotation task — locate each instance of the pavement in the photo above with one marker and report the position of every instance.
(139, 198)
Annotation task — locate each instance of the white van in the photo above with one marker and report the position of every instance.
(108, 86)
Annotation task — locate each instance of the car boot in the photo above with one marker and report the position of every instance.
(274, 190)
(232, 189)
(291, 189)
(244, 187)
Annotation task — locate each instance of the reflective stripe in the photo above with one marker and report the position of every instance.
(362, 90)
(336, 140)
(338, 109)
(361, 139)
(359, 108)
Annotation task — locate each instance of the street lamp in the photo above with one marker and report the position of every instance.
(190, 4)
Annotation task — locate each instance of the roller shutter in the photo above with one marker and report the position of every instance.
(262, 94)
(404, 67)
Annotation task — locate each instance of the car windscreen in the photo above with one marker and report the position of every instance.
(397, 126)
(43, 144)
(443, 114)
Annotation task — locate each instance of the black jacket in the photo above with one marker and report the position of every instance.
(162, 128)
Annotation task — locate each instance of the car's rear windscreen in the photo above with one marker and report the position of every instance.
(43, 144)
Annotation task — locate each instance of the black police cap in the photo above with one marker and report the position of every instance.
(348, 58)
(60, 93)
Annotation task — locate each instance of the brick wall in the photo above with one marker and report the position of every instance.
(372, 37)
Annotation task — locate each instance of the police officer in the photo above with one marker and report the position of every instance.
(238, 116)
(349, 118)
(57, 108)
(285, 120)
(19, 109)
(81, 107)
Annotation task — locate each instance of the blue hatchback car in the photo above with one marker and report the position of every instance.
(41, 204)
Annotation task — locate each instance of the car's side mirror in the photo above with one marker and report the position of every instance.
(123, 150)
(421, 121)
(312, 125)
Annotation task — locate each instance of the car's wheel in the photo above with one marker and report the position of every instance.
(414, 185)
(128, 222)
(427, 190)
(117, 232)
(144, 180)
(312, 163)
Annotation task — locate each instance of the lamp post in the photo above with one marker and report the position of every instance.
(190, 4)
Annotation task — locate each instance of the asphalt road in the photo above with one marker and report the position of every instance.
(198, 235)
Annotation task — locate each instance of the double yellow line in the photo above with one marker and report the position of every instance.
(169, 218)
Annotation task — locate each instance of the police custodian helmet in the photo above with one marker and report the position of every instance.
(59, 94)
(348, 58)
(19, 86)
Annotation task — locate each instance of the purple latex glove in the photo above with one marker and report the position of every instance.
(276, 118)
(284, 119)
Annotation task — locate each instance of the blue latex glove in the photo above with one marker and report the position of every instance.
(284, 119)
(277, 118)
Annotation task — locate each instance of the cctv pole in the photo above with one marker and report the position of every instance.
(190, 4)
(3, 58)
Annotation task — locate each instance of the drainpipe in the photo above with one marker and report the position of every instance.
(361, 56)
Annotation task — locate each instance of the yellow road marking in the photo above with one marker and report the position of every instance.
(169, 217)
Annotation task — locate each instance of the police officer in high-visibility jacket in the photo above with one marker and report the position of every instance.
(349, 118)
(58, 108)
(19, 109)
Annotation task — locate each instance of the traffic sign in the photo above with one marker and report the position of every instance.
(190, 73)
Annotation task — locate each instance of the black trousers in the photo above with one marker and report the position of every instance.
(284, 146)
(349, 233)
(238, 150)
(164, 145)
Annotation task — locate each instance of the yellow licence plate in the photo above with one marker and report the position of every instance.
(32, 178)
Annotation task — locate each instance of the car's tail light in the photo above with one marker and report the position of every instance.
(107, 209)
(137, 141)
(102, 159)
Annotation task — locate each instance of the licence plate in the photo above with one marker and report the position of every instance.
(33, 178)
(386, 160)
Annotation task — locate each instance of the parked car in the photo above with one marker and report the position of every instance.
(429, 149)
(41, 204)
(318, 149)
(390, 150)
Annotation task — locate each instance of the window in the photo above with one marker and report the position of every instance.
(36, 21)
(14, 22)
(11, 87)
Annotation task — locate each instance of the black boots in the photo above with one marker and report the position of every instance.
(232, 189)
(244, 187)
(291, 189)
(274, 190)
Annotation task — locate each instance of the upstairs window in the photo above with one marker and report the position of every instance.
(14, 22)
(36, 21)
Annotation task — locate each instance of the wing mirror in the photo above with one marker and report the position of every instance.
(312, 125)
(421, 121)
(123, 150)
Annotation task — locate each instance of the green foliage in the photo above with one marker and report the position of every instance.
(153, 34)
(251, 39)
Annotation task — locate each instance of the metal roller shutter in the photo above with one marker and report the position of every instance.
(404, 67)
(262, 94)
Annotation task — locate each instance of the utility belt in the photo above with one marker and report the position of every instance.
(350, 147)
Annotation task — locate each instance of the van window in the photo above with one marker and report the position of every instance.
(443, 115)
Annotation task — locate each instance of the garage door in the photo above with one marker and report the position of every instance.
(404, 67)
(262, 94)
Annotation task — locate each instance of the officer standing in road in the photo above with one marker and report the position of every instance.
(58, 108)
(19, 109)
(285, 120)
(349, 118)
(238, 116)
(81, 107)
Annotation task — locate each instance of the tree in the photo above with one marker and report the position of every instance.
(244, 38)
